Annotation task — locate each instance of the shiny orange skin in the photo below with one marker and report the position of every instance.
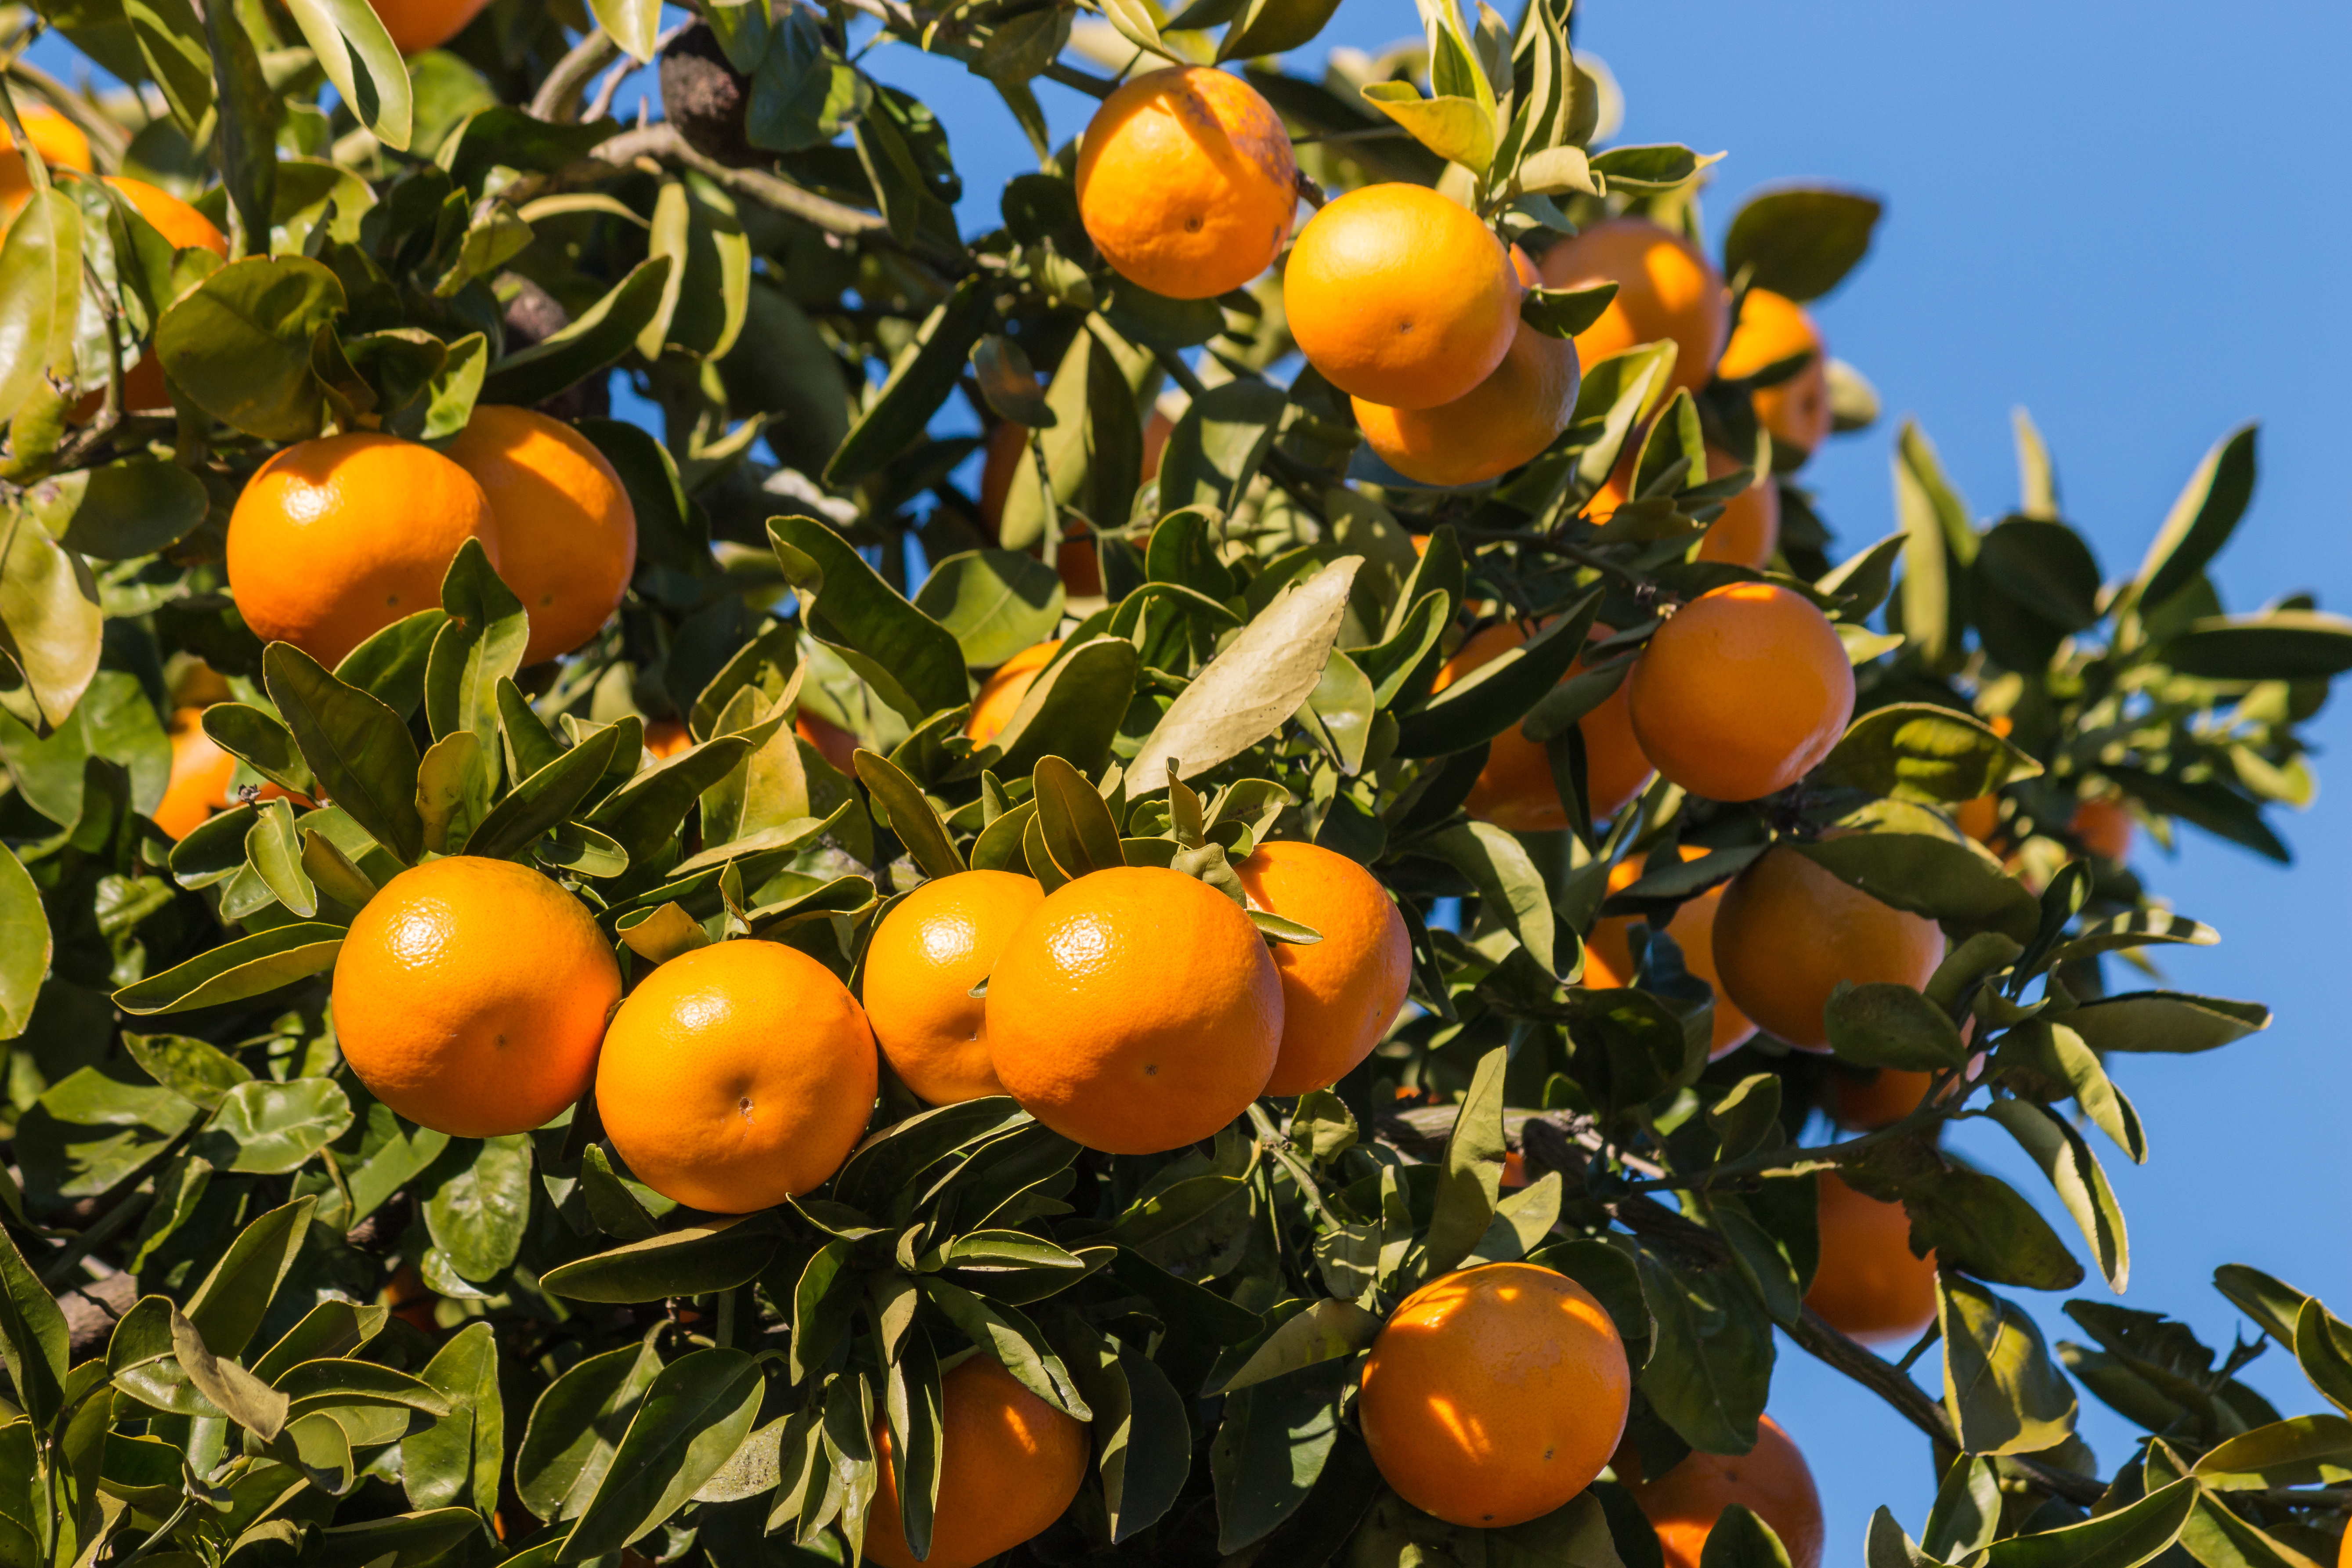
(60, 142)
(1667, 288)
(335, 539)
(1515, 1170)
(1788, 932)
(418, 24)
(470, 995)
(1609, 955)
(2344, 1552)
(1772, 1481)
(2106, 828)
(1868, 1284)
(932, 948)
(1135, 1011)
(1001, 694)
(667, 738)
(1748, 531)
(835, 744)
(1009, 1465)
(1340, 994)
(737, 1075)
(1186, 182)
(1494, 1395)
(567, 533)
(1773, 328)
(1399, 297)
(1742, 692)
(1515, 789)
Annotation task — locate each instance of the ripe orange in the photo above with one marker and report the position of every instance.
(1009, 1464)
(667, 737)
(1980, 818)
(417, 25)
(1864, 1102)
(737, 1075)
(1186, 182)
(1749, 529)
(1494, 1395)
(2105, 827)
(1788, 932)
(144, 387)
(1609, 956)
(1340, 994)
(934, 946)
(470, 995)
(1773, 328)
(1135, 1011)
(201, 773)
(1001, 694)
(1868, 1283)
(1667, 288)
(60, 142)
(334, 540)
(567, 533)
(835, 744)
(1772, 1481)
(1515, 789)
(1742, 692)
(1401, 297)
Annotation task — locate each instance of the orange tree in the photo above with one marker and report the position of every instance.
(574, 992)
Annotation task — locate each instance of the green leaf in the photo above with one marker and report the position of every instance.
(1143, 1442)
(1078, 829)
(1006, 1333)
(50, 622)
(238, 345)
(40, 293)
(1882, 1025)
(545, 798)
(408, 1539)
(2003, 1392)
(910, 659)
(1740, 1539)
(1325, 1331)
(1938, 543)
(995, 603)
(1974, 1221)
(228, 1307)
(693, 1417)
(1009, 383)
(1498, 694)
(457, 1459)
(390, 665)
(576, 1428)
(249, 967)
(235, 1391)
(1658, 167)
(360, 57)
(1508, 884)
(1458, 130)
(33, 1336)
(2059, 1058)
(1712, 1366)
(358, 749)
(132, 507)
(1947, 880)
(2044, 568)
(2074, 1171)
(1799, 241)
(1270, 1448)
(1564, 313)
(267, 1128)
(926, 372)
(1216, 448)
(692, 1260)
(906, 813)
(25, 945)
(2270, 1302)
(1472, 1177)
(2167, 1021)
(335, 1384)
(2281, 645)
(2122, 1539)
(2323, 1347)
(595, 341)
(196, 1070)
(1920, 752)
(1074, 709)
(477, 1213)
(2299, 1451)
(2201, 519)
(1967, 1515)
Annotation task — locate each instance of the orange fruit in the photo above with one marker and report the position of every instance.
(470, 994)
(1494, 1395)
(335, 539)
(1135, 1011)
(1515, 789)
(1742, 692)
(737, 1075)
(835, 744)
(1773, 328)
(1788, 932)
(1609, 956)
(1186, 182)
(1340, 994)
(1868, 1283)
(1772, 1481)
(1667, 288)
(1515, 1170)
(60, 142)
(1862, 1101)
(1980, 818)
(417, 25)
(1001, 694)
(174, 219)
(2105, 827)
(667, 737)
(1748, 531)
(1009, 1464)
(567, 533)
(201, 773)
(1401, 297)
(2344, 1552)
(932, 948)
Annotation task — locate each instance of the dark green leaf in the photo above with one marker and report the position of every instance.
(2201, 519)
(595, 340)
(239, 344)
(249, 967)
(692, 1418)
(1920, 752)
(693, 1261)
(1799, 241)
(358, 749)
(2124, 1538)
(918, 382)
(911, 661)
(268, 1129)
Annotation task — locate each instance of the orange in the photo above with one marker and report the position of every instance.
(60, 142)
(1494, 1395)
(1186, 182)
(470, 995)
(201, 773)
(1772, 1481)
(1076, 559)
(1742, 692)
(567, 533)
(835, 744)
(1506, 420)
(1789, 930)
(737, 1075)
(2344, 1552)
(1864, 1102)
(1515, 789)
(1868, 1283)
(185, 227)
(334, 540)
(1135, 1011)
(1980, 818)
(1399, 297)
(1667, 288)
(1609, 956)
(1749, 530)
(1009, 1464)
(417, 25)
(667, 737)
(933, 947)
(2105, 827)
(1340, 994)
(1773, 328)
(1515, 1170)
(1001, 694)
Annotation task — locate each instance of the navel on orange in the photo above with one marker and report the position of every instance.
(1789, 930)
(932, 948)
(1742, 692)
(1338, 994)
(1009, 1465)
(1667, 288)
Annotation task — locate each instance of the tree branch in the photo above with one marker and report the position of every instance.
(557, 98)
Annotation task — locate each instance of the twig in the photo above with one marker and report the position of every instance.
(557, 97)
(100, 1233)
(1369, 133)
(110, 139)
(1293, 477)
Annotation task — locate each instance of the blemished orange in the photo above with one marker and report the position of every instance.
(201, 773)
(737, 1075)
(1001, 694)
(60, 142)
(1789, 930)
(1338, 994)
(335, 539)
(1494, 1395)
(1742, 692)
(1748, 531)
(1773, 328)
(1772, 1481)
(1869, 1284)
(1401, 297)
(470, 995)
(932, 948)
(1667, 288)
(1609, 955)
(417, 25)
(2105, 827)
(567, 533)
(1135, 1011)
(1186, 182)
(1516, 789)
(1009, 1465)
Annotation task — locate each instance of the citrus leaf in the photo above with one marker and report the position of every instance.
(1799, 241)
(249, 967)
(694, 1416)
(2003, 1392)
(595, 340)
(918, 382)
(358, 749)
(693, 1261)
